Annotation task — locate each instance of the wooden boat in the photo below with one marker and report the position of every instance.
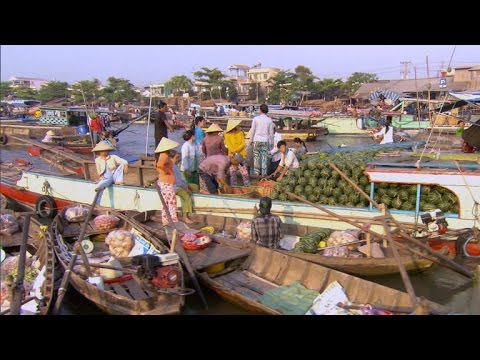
(243, 283)
(363, 266)
(42, 258)
(127, 295)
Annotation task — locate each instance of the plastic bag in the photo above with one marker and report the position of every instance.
(8, 224)
(120, 242)
(340, 238)
(244, 231)
(105, 222)
(76, 214)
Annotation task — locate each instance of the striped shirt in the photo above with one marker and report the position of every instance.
(267, 231)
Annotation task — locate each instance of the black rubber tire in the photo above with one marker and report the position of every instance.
(45, 207)
(3, 139)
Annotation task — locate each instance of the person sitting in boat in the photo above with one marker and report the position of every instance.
(299, 147)
(386, 133)
(182, 188)
(212, 173)
(50, 137)
(235, 143)
(266, 228)
(166, 178)
(110, 168)
(287, 161)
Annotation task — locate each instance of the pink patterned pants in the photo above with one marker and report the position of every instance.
(168, 193)
(242, 169)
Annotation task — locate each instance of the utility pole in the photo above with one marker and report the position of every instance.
(406, 69)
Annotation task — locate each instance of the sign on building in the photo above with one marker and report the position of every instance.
(443, 82)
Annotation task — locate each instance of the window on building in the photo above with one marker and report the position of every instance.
(264, 76)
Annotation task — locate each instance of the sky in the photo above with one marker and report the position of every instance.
(151, 64)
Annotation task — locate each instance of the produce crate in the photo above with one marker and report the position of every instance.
(264, 188)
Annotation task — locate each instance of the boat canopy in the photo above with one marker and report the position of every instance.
(386, 93)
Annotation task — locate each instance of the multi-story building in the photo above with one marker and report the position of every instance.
(33, 83)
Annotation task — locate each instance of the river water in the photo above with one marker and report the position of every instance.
(438, 284)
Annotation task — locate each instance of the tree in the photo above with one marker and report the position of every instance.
(53, 90)
(281, 88)
(355, 80)
(119, 90)
(178, 85)
(5, 89)
(329, 88)
(90, 88)
(25, 92)
(212, 77)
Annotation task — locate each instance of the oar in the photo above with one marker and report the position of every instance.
(460, 269)
(179, 249)
(76, 249)
(18, 289)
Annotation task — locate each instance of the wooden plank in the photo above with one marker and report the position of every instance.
(135, 290)
(214, 254)
(120, 290)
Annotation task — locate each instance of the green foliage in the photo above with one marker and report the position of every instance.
(5, 89)
(91, 91)
(355, 80)
(53, 90)
(178, 84)
(119, 90)
(25, 92)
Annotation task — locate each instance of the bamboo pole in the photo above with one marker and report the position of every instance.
(18, 288)
(401, 267)
(460, 269)
(148, 121)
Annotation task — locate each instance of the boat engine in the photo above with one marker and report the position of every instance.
(161, 269)
(435, 221)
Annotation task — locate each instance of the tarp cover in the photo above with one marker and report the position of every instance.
(294, 299)
(472, 134)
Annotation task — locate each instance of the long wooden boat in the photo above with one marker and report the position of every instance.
(364, 266)
(127, 295)
(136, 196)
(42, 259)
(244, 283)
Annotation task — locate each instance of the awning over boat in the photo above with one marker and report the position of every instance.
(386, 93)
(470, 96)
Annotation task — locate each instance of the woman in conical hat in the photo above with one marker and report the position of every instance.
(166, 178)
(49, 137)
(213, 143)
(110, 167)
(235, 142)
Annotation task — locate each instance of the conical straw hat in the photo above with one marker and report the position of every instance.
(102, 146)
(50, 133)
(214, 128)
(165, 145)
(232, 124)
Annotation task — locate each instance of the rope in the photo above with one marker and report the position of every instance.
(136, 199)
(47, 188)
(431, 130)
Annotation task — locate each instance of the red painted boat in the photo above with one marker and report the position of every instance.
(473, 248)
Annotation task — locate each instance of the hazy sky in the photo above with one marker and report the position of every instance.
(145, 64)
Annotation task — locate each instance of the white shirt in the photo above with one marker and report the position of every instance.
(387, 137)
(262, 129)
(276, 154)
(189, 151)
(47, 139)
(289, 160)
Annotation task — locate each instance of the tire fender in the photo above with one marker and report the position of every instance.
(3, 139)
(45, 207)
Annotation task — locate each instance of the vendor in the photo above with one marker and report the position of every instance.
(212, 173)
(287, 161)
(50, 137)
(235, 143)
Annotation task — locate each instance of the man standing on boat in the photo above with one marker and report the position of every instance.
(161, 123)
(262, 135)
(266, 228)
